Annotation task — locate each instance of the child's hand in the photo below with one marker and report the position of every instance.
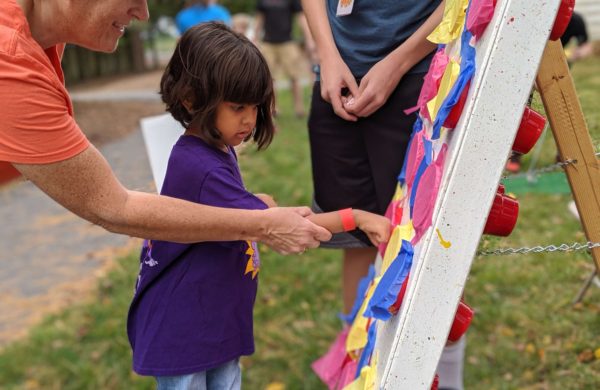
(376, 227)
(268, 199)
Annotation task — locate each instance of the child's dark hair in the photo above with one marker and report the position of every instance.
(212, 64)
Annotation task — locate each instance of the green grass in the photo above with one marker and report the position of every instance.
(525, 335)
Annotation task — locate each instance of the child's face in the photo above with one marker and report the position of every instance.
(235, 121)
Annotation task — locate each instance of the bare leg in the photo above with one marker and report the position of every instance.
(298, 97)
(355, 267)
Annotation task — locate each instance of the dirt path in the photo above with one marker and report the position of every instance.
(50, 257)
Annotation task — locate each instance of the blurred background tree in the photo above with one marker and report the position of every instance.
(235, 6)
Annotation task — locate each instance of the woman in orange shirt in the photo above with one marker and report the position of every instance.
(40, 138)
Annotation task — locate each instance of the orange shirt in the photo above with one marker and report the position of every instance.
(36, 114)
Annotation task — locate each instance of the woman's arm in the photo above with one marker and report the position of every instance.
(86, 185)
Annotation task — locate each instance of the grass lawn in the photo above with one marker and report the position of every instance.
(526, 333)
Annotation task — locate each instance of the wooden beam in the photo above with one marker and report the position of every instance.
(557, 90)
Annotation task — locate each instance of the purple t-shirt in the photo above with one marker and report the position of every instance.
(192, 308)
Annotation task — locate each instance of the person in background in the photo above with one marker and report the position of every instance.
(191, 315)
(41, 139)
(201, 11)
(273, 29)
(373, 57)
(577, 30)
(372, 64)
(241, 23)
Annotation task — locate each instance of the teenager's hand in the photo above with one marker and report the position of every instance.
(267, 199)
(374, 90)
(335, 75)
(288, 231)
(377, 227)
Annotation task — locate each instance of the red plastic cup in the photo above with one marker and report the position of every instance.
(531, 128)
(457, 110)
(563, 17)
(503, 215)
(462, 321)
(501, 189)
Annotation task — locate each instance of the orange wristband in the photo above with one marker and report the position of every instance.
(347, 219)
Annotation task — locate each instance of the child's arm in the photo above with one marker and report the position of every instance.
(376, 227)
(268, 199)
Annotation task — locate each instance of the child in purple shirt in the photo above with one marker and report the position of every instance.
(191, 315)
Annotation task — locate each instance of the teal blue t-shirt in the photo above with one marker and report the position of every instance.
(196, 14)
(375, 28)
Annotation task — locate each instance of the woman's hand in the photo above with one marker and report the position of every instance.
(288, 231)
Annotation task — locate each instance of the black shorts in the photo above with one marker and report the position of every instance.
(356, 164)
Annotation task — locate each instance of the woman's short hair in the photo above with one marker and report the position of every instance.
(212, 64)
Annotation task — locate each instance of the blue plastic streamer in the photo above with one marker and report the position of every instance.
(416, 128)
(389, 286)
(467, 70)
(427, 159)
(365, 356)
(363, 285)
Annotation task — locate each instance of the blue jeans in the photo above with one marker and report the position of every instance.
(225, 377)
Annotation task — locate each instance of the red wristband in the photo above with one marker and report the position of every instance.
(347, 219)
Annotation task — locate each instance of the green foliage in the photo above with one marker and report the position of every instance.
(525, 334)
(164, 7)
(235, 6)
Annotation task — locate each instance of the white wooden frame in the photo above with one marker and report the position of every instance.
(409, 345)
(160, 134)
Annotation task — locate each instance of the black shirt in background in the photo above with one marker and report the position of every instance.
(278, 19)
(576, 29)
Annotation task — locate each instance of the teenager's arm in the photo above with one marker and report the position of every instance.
(86, 185)
(335, 74)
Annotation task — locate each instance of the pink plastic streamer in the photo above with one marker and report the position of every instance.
(432, 82)
(330, 367)
(479, 15)
(426, 195)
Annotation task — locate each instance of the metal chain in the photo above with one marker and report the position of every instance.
(539, 249)
(537, 172)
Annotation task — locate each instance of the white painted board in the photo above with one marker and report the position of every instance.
(160, 134)
(410, 344)
(590, 11)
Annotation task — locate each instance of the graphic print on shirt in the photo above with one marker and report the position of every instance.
(253, 264)
(148, 258)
